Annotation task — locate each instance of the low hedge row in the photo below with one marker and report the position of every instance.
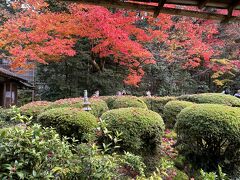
(128, 101)
(212, 98)
(209, 135)
(157, 104)
(35, 108)
(109, 100)
(171, 110)
(70, 122)
(98, 106)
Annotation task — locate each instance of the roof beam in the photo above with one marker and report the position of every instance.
(235, 4)
(160, 5)
(230, 9)
(202, 4)
(237, 40)
(150, 8)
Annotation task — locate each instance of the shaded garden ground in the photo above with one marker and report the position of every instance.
(191, 136)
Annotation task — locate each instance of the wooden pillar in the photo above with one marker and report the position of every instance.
(4, 94)
(10, 93)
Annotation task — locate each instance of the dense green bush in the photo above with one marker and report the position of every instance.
(6, 116)
(171, 110)
(31, 153)
(209, 135)
(3, 114)
(212, 98)
(35, 108)
(68, 102)
(70, 122)
(98, 106)
(109, 100)
(128, 101)
(157, 104)
(142, 129)
(36, 153)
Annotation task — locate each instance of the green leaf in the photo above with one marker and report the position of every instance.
(20, 175)
(34, 173)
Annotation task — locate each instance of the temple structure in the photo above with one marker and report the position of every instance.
(158, 6)
(9, 85)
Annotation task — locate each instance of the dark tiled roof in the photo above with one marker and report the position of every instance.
(8, 74)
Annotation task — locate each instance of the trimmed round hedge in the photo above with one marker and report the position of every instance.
(109, 100)
(98, 106)
(171, 110)
(128, 101)
(35, 108)
(212, 98)
(142, 128)
(209, 135)
(70, 122)
(157, 104)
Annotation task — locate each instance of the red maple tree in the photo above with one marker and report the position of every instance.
(37, 34)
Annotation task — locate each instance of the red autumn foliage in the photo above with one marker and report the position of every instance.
(37, 34)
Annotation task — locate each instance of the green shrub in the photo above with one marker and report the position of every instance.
(181, 176)
(166, 170)
(3, 115)
(157, 104)
(209, 134)
(98, 106)
(109, 100)
(68, 102)
(31, 153)
(128, 101)
(142, 129)
(212, 98)
(70, 122)
(7, 116)
(35, 108)
(94, 164)
(171, 110)
(219, 175)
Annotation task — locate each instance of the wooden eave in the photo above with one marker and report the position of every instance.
(157, 6)
(16, 78)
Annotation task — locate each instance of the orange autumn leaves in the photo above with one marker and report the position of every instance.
(36, 34)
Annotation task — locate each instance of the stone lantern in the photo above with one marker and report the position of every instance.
(86, 103)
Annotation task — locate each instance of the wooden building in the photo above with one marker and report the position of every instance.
(9, 85)
(158, 6)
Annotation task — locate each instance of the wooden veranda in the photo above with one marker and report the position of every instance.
(9, 85)
(157, 6)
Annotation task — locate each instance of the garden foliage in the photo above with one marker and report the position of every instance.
(35, 108)
(109, 100)
(212, 98)
(98, 106)
(208, 135)
(157, 103)
(171, 110)
(128, 101)
(142, 129)
(31, 152)
(70, 122)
